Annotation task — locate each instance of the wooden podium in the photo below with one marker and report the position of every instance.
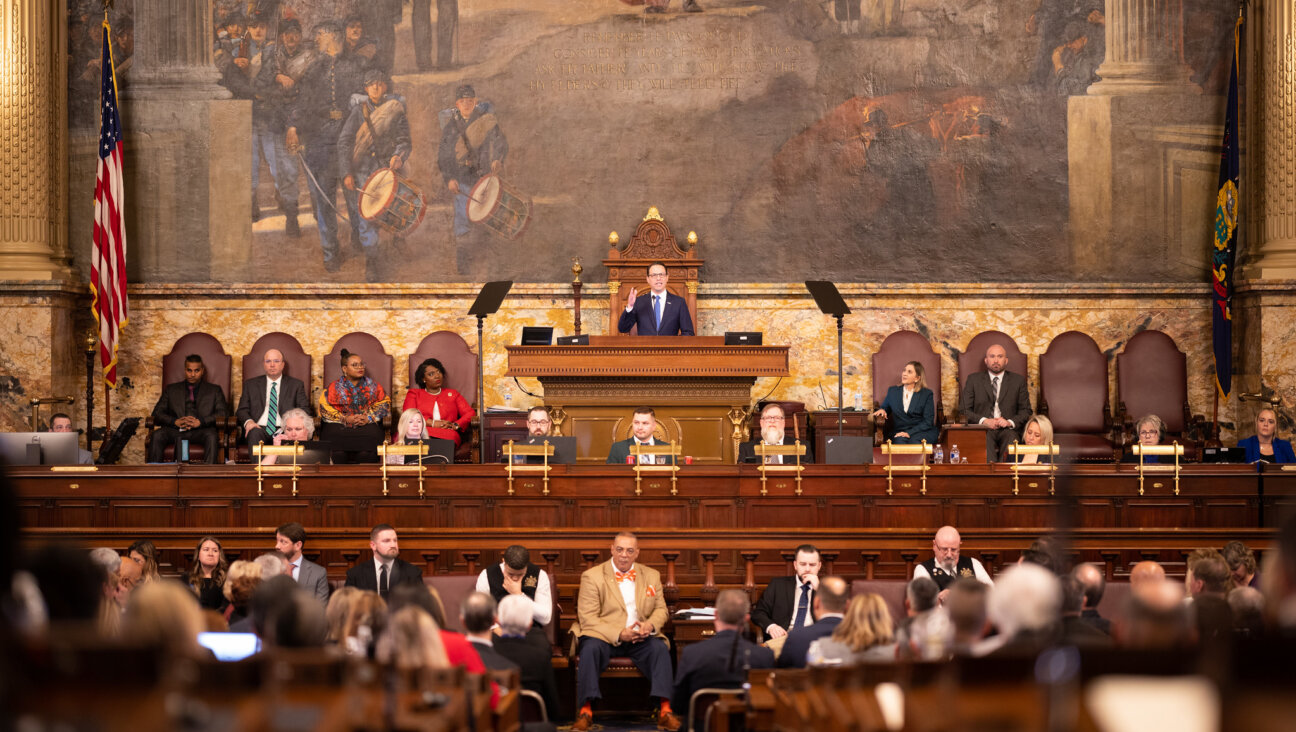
(699, 387)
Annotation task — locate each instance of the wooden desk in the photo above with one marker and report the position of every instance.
(695, 384)
(858, 424)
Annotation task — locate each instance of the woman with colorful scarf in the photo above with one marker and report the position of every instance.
(353, 409)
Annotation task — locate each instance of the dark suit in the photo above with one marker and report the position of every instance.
(209, 406)
(798, 642)
(365, 577)
(252, 402)
(620, 450)
(778, 603)
(493, 659)
(919, 420)
(675, 317)
(747, 453)
(537, 669)
(706, 665)
(977, 403)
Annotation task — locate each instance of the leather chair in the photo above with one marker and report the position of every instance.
(460, 364)
(898, 349)
(218, 364)
(1073, 394)
(378, 366)
(297, 364)
(1152, 378)
(453, 589)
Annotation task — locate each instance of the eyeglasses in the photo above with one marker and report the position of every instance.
(1149, 433)
(537, 421)
(656, 274)
(771, 419)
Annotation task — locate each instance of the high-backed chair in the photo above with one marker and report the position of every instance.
(972, 360)
(896, 350)
(297, 364)
(1073, 393)
(378, 365)
(460, 364)
(218, 365)
(1152, 378)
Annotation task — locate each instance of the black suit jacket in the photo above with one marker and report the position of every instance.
(705, 665)
(537, 669)
(777, 603)
(747, 453)
(365, 577)
(620, 450)
(798, 642)
(977, 401)
(492, 658)
(252, 402)
(209, 400)
(675, 316)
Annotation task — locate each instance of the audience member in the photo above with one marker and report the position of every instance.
(412, 641)
(60, 422)
(1094, 584)
(353, 409)
(1246, 605)
(109, 616)
(386, 570)
(516, 575)
(773, 431)
(1278, 581)
(337, 611)
(1242, 564)
(1075, 631)
(642, 424)
(1146, 571)
(129, 576)
(274, 388)
(242, 578)
(925, 633)
(1155, 618)
(865, 634)
(721, 661)
(165, 613)
(188, 410)
(289, 540)
(516, 615)
(946, 564)
(829, 605)
(965, 604)
(785, 604)
(1265, 445)
(996, 399)
(145, 555)
(286, 616)
(1207, 582)
(273, 564)
(1024, 608)
(478, 616)
(207, 575)
(70, 583)
(458, 649)
(621, 607)
(447, 414)
(365, 621)
(107, 558)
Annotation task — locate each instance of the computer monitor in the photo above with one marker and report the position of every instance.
(230, 646)
(743, 338)
(564, 448)
(439, 451)
(848, 450)
(536, 335)
(39, 448)
(573, 340)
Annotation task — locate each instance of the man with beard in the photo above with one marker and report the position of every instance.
(946, 565)
(772, 432)
(997, 400)
(386, 570)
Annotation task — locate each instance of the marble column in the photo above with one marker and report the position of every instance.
(1144, 49)
(33, 134)
(1273, 155)
(173, 51)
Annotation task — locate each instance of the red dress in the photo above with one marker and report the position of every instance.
(450, 404)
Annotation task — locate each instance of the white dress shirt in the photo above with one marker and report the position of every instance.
(627, 587)
(543, 597)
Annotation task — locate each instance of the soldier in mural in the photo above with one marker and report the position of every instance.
(283, 65)
(358, 46)
(472, 145)
(1060, 24)
(314, 125)
(447, 31)
(447, 25)
(376, 135)
(380, 19)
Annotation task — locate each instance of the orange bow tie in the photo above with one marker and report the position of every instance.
(623, 576)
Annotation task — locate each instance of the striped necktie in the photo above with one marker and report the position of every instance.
(272, 416)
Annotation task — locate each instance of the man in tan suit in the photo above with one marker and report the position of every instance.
(620, 612)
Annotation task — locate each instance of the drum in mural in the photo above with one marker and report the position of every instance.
(392, 203)
(498, 206)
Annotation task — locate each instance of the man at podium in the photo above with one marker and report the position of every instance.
(656, 312)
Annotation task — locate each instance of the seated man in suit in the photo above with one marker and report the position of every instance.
(516, 575)
(656, 312)
(515, 615)
(257, 420)
(477, 612)
(946, 565)
(721, 661)
(785, 604)
(620, 611)
(188, 410)
(289, 540)
(772, 432)
(997, 399)
(60, 422)
(386, 570)
(642, 424)
(829, 607)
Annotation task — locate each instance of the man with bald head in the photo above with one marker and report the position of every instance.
(267, 398)
(1093, 584)
(1145, 572)
(946, 565)
(829, 607)
(997, 400)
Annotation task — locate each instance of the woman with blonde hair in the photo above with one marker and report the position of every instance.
(410, 428)
(339, 607)
(240, 582)
(165, 613)
(412, 641)
(145, 555)
(366, 619)
(865, 633)
(1038, 431)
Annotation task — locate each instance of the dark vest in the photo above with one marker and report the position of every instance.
(944, 579)
(495, 578)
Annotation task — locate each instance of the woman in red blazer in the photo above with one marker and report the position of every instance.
(445, 411)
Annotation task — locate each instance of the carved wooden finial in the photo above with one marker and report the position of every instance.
(653, 214)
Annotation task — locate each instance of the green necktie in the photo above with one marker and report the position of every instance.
(272, 418)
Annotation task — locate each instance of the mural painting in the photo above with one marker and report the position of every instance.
(867, 140)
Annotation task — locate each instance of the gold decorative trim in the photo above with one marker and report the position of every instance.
(692, 286)
(653, 215)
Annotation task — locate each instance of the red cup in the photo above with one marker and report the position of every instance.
(688, 459)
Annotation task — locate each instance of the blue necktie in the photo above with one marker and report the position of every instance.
(657, 309)
(803, 607)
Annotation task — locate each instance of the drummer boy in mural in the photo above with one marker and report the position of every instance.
(472, 145)
(376, 135)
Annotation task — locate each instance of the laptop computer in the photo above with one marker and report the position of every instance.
(537, 335)
(1223, 455)
(439, 452)
(39, 448)
(848, 450)
(743, 338)
(573, 340)
(564, 449)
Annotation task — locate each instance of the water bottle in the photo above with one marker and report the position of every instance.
(859, 401)
(184, 451)
(954, 455)
(508, 398)
(939, 455)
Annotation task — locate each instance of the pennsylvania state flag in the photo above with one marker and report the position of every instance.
(1227, 209)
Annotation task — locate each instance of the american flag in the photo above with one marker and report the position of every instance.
(108, 260)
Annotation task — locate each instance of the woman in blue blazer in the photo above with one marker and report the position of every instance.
(917, 422)
(1265, 444)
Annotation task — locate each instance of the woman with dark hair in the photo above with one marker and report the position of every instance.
(911, 407)
(445, 411)
(353, 409)
(207, 576)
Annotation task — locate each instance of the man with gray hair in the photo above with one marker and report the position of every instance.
(515, 614)
(721, 661)
(107, 558)
(1025, 607)
(946, 564)
(273, 564)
